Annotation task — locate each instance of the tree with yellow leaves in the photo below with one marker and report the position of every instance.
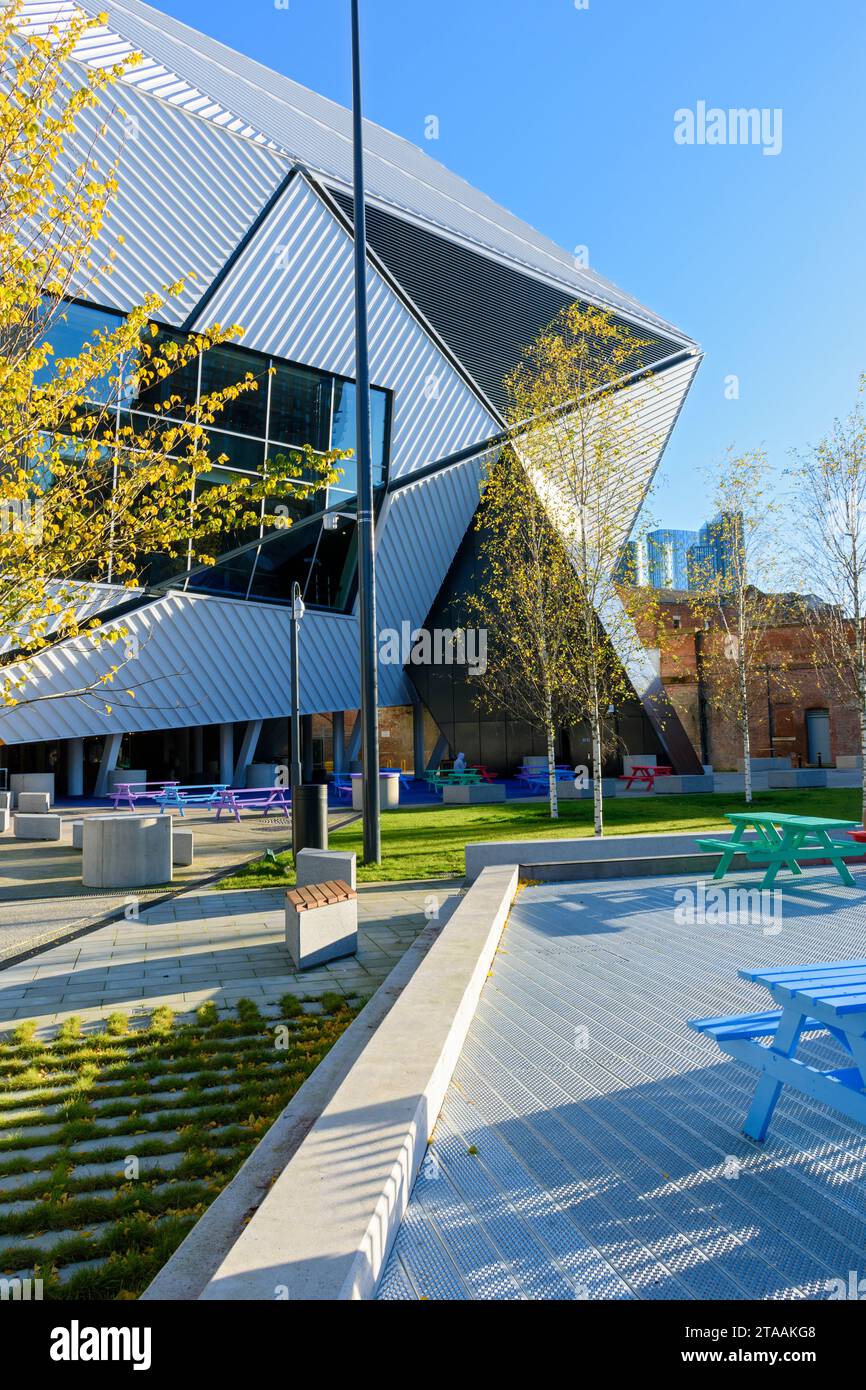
(556, 514)
(90, 490)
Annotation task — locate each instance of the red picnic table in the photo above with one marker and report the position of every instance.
(644, 774)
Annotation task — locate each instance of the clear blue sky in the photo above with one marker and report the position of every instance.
(566, 117)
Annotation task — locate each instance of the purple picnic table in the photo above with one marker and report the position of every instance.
(237, 799)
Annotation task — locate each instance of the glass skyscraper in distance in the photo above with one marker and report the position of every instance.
(672, 559)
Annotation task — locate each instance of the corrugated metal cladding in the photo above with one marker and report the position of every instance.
(86, 600)
(649, 410)
(485, 310)
(186, 68)
(292, 288)
(421, 529)
(187, 194)
(200, 661)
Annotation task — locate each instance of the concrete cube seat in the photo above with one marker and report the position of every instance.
(35, 825)
(798, 777)
(125, 851)
(5, 813)
(31, 782)
(34, 803)
(5, 801)
(323, 866)
(687, 784)
(321, 923)
(181, 846)
(77, 834)
(472, 793)
(389, 791)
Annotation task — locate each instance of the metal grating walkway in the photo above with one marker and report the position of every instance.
(590, 1146)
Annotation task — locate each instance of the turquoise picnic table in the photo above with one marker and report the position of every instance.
(784, 840)
(826, 998)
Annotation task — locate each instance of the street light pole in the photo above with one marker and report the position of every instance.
(364, 455)
(295, 776)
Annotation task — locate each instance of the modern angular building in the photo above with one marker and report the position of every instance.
(238, 181)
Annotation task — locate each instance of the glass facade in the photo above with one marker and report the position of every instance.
(290, 406)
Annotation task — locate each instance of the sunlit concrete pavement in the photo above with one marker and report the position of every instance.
(219, 946)
(42, 898)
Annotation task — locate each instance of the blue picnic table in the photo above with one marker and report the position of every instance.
(825, 998)
(783, 840)
(208, 794)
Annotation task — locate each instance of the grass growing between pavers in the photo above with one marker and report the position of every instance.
(430, 843)
(113, 1144)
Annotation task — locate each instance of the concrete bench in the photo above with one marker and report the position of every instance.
(323, 866)
(34, 803)
(321, 923)
(35, 826)
(5, 801)
(181, 846)
(473, 793)
(77, 833)
(5, 813)
(687, 784)
(127, 851)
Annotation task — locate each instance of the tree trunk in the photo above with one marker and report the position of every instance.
(861, 694)
(597, 798)
(744, 707)
(551, 773)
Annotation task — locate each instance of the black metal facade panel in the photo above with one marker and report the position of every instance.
(487, 312)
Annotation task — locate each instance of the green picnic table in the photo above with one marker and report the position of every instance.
(785, 840)
(438, 780)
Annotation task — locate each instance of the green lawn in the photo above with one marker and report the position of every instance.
(429, 843)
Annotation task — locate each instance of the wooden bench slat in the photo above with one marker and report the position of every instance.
(321, 895)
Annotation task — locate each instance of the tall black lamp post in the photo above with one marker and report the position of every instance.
(364, 455)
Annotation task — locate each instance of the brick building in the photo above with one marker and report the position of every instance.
(796, 708)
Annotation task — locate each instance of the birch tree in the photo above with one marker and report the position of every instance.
(726, 595)
(831, 552)
(577, 405)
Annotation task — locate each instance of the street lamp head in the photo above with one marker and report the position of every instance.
(298, 608)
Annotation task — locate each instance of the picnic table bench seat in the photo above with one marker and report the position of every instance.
(826, 998)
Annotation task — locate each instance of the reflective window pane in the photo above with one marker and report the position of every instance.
(70, 333)
(343, 434)
(223, 367)
(300, 406)
(179, 381)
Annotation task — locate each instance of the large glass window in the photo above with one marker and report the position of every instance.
(70, 333)
(300, 407)
(291, 406)
(343, 434)
(223, 367)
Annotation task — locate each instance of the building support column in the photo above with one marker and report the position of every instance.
(75, 767)
(197, 757)
(307, 747)
(247, 753)
(107, 763)
(338, 726)
(354, 744)
(418, 737)
(227, 753)
(438, 753)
